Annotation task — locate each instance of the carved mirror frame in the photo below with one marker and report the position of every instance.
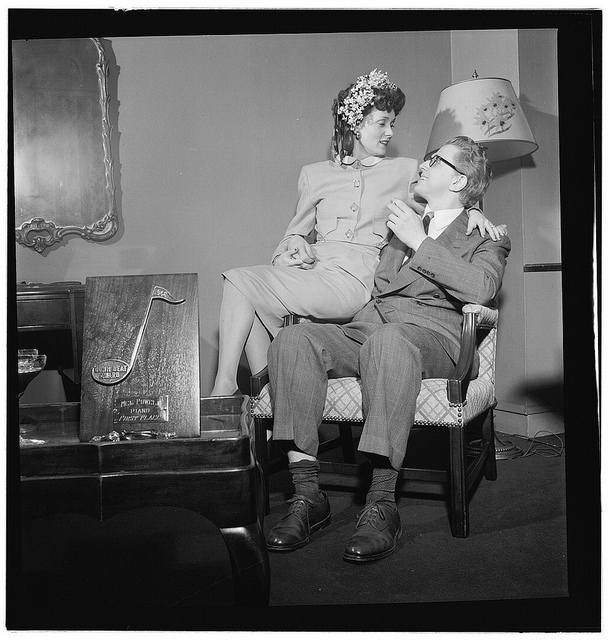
(39, 233)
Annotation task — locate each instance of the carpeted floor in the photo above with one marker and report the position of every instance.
(516, 548)
(168, 568)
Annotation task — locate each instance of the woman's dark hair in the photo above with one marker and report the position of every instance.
(343, 138)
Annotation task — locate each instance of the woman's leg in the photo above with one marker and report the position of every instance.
(239, 328)
(236, 320)
(256, 347)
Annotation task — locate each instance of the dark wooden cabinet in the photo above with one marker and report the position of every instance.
(50, 319)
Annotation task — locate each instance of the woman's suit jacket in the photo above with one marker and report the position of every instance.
(345, 209)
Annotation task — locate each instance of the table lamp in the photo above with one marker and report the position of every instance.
(488, 111)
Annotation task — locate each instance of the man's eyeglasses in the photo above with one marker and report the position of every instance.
(435, 158)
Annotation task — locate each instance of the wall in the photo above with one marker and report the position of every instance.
(212, 133)
(525, 194)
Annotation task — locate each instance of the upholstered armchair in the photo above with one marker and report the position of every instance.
(461, 405)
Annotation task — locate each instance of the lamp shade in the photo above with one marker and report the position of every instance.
(486, 110)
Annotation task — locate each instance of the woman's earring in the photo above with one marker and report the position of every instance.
(357, 134)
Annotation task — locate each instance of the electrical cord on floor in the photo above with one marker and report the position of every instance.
(545, 449)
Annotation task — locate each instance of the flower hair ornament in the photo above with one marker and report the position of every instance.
(360, 96)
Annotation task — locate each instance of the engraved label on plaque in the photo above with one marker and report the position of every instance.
(141, 409)
(110, 371)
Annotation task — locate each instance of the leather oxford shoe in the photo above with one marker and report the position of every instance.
(303, 518)
(376, 533)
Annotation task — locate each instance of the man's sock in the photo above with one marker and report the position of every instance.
(305, 477)
(384, 482)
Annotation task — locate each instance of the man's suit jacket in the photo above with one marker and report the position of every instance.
(431, 288)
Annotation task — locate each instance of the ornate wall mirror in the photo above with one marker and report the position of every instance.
(63, 167)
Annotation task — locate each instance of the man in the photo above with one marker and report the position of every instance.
(409, 331)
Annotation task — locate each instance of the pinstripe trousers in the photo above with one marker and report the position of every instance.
(391, 359)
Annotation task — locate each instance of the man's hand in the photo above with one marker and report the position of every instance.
(416, 205)
(406, 224)
(298, 254)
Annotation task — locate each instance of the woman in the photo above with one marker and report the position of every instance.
(345, 202)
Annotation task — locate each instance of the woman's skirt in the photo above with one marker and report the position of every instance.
(325, 292)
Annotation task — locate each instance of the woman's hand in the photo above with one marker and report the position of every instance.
(477, 219)
(298, 254)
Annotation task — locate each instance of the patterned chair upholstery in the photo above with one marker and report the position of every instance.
(451, 403)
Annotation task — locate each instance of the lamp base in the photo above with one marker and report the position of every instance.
(505, 450)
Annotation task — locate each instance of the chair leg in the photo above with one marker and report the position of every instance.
(487, 436)
(458, 484)
(346, 442)
(261, 452)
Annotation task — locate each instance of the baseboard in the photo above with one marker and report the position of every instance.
(549, 422)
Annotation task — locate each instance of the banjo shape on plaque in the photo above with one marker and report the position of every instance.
(114, 370)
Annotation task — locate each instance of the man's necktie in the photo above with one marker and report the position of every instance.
(426, 221)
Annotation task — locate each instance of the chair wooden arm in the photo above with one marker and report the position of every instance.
(292, 318)
(458, 382)
(258, 381)
(475, 316)
(486, 317)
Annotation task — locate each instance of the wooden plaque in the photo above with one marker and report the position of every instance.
(140, 365)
